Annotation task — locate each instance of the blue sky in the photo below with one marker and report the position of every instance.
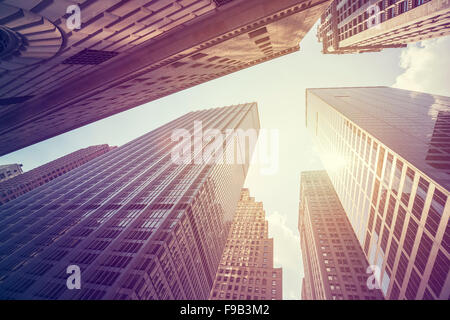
(278, 86)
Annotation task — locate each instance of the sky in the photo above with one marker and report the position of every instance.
(279, 88)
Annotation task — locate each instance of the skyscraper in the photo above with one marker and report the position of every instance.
(386, 152)
(246, 269)
(373, 25)
(137, 222)
(334, 264)
(8, 171)
(36, 177)
(55, 77)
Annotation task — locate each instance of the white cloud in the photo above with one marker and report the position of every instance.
(427, 66)
(286, 254)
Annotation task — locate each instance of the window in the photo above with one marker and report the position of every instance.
(420, 197)
(392, 253)
(382, 201)
(403, 7)
(419, 2)
(395, 292)
(407, 187)
(374, 154)
(375, 192)
(401, 268)
(397, 176)
(390, 13)
(378, 224)
(398, 229)
(380, 162)
(435, 212)
(384, 238)
(371, 218)
(387, 171)
(410, 236)
(439, 273)
(413, 285)
(423, 252)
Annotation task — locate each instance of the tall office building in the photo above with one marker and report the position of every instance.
(8, 171)
(246, 270)
(36, 177)
(373, 25)
(137, 221)
(387, 153)
(126, 53)
(334, 264)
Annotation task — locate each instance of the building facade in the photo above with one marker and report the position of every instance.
(36, 177)
(386, 152)
(373, 25)
(334, 264)
(8, 171)
(126, 53)
(138, 223)
(246, 269)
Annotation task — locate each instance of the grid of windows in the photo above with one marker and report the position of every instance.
(137, 225)
(255, 32)
(368, 26)
(334, 263)
(34, 178)
(409, 210)
(246, 269)
(8, 171)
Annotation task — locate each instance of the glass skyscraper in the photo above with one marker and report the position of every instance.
(138, 225)
(387, 153)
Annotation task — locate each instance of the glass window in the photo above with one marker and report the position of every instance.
(410, 236)
(398, 229)
(420, 197)
(437, 277)
(382, 200)
(397, 176)
(380, 162)
(407, 186)
(374, 155)
(436, 211)
(387, 171)
(393, 247)
(375, 192)
(413, 285)
(390, 210)
(369, 142)
(423, 252)
(384, 238)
